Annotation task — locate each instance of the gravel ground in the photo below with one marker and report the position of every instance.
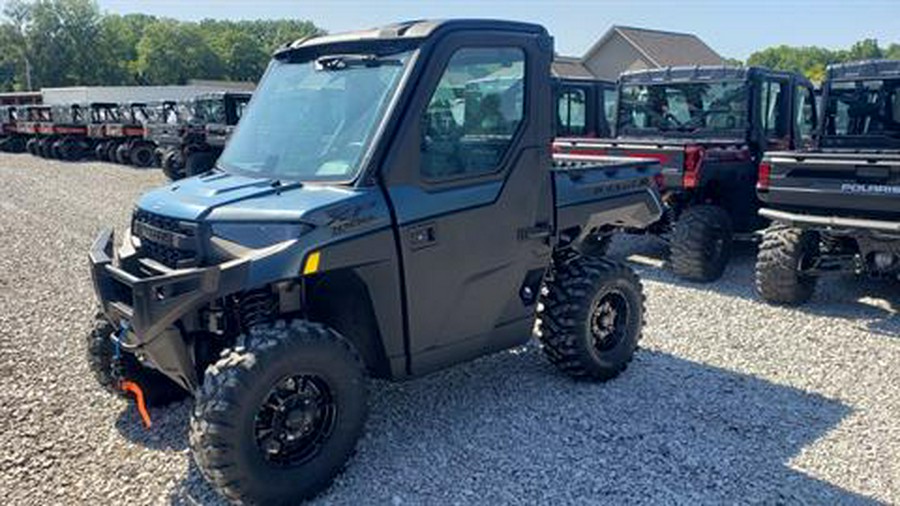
(730, 400)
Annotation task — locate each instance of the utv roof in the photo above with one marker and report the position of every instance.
(861, 69)
(695, 73)
(407, 31)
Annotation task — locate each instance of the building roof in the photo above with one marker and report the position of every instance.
(661, 48)
(570, 67)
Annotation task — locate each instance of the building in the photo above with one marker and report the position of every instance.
(124, 94)
(624, 48)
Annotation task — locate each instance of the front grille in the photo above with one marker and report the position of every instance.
(166, 240)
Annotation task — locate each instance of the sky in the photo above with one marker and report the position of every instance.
(733, 28)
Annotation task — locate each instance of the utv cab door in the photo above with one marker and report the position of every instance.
(468, 178)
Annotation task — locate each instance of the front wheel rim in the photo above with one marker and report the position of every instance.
(609, 320)
(295, 420)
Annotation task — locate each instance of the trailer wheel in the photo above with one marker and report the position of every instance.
(590, 316)
(158, 389)
(277, 417)
(701, 243)
(783, 254)
(120, 155)
(141, 155)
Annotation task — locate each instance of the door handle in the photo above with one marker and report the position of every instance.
(422, 236)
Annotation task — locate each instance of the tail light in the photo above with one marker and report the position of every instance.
(693, 162)
(764, 178)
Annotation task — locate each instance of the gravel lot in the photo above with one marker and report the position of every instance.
(730, 400)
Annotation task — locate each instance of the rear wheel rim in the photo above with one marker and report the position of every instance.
(609, 320)
(295, 419)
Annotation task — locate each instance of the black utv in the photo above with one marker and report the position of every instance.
(388, 207)
(193, 137)
(124, 137)
(709, 127)
(836, 209)
(66, 138)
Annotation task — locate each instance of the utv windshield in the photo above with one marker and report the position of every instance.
(209, 111)
(685, 108)
(314, 120)
(863, 108)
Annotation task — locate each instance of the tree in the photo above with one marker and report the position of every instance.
(170, 52)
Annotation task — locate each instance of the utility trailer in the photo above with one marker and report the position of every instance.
(836, 208)
(709, 127)
(388, 207)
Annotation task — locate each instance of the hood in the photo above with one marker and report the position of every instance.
(226, 197)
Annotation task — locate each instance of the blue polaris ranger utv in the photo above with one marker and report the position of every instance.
(388, 206)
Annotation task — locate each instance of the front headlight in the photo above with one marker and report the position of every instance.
(259, 235)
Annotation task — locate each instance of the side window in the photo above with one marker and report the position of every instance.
(772, 109)
(571, 112)
(805, 111)
(610, 96)
(474, 113)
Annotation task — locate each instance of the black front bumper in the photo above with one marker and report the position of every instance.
(145, 299)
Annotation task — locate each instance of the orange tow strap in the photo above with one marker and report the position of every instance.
(135, 389)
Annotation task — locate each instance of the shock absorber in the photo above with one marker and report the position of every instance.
(256, 307)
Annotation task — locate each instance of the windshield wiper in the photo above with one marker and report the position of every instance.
(344, 61)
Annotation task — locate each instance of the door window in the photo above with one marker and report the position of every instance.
(571, 109)
(474, 113)
(806, 116)
(772, 110)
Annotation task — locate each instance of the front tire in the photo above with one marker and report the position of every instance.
(172, 165)
(783, 253)
(277, 418)
(198, 162)
(701, 243)
(590, 317)
(158, 389)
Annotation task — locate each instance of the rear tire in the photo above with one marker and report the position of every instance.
(277, 418)
(142, 155)
(100, 151)
(31, 147)
(121, 154)
(110, 154)
(158, 389)
(783, 252)
(43, 148)
(590, 316)
(701, 243)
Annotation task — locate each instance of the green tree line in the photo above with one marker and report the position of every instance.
(812, 60)
(48, 43)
